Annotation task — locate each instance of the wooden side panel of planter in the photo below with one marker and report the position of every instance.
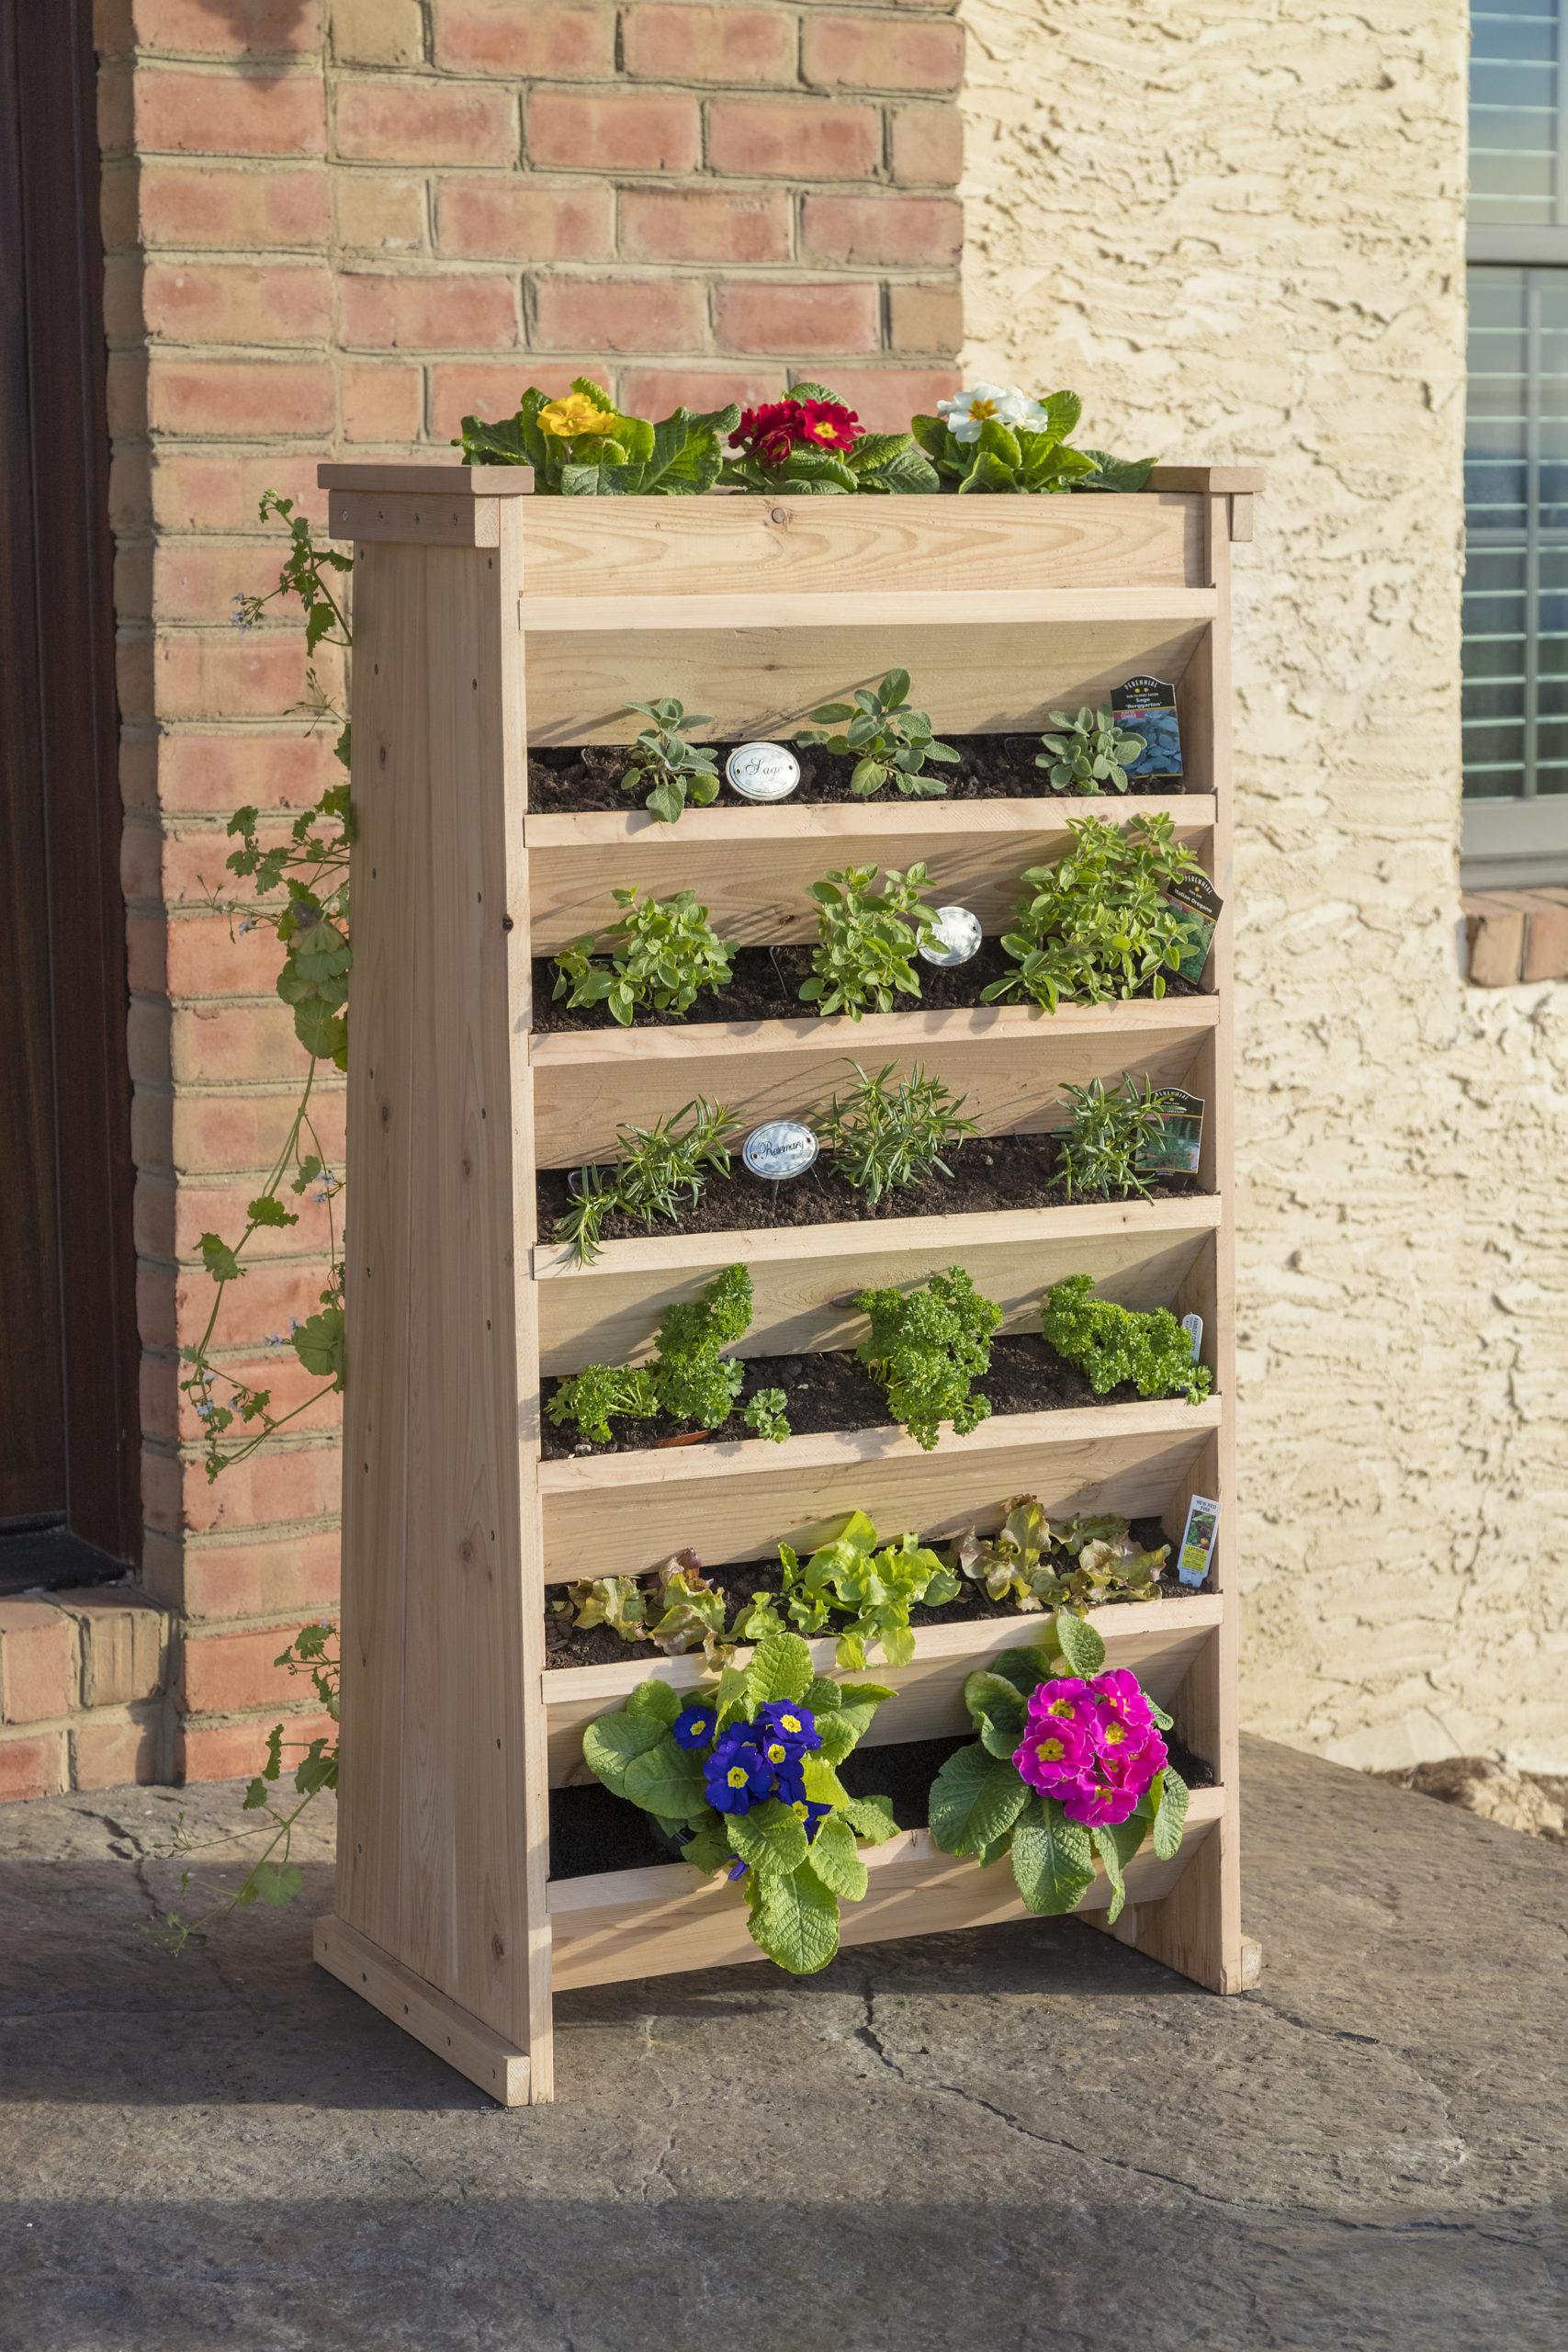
(753, 868)
(801, 547)
(804, 1278)
(625, 1513)
(658, 1922)
(1159, 1640)
(443, 1822)
(1011, 1064)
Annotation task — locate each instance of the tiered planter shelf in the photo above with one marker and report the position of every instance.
(487, 620)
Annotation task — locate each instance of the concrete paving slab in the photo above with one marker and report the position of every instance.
(1028, 2140)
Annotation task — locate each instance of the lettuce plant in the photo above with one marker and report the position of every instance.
(809, 444)
(874, 1586)
(928, 1347)
(674, 1607)
(1080, 1564)
(661, 956)
(689, 1378)
(996, 438)
(867, 939)
(885, 738)
(1089, 753)
(656, 1169)
(674, 770)
(1099, 1149)
(1110, 1344)
(745, 1778)
(1070, 1768)
(1098, 923)
(884, 1137)
(580, 445)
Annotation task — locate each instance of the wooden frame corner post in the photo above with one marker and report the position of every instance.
(440, 1918)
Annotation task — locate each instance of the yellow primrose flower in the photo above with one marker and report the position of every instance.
(574, 412)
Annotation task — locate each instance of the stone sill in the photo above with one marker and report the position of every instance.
(1515, 935)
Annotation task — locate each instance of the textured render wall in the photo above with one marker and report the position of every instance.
(1235, 225)
(337, 228)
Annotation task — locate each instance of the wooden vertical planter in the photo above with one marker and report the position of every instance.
(486, 619)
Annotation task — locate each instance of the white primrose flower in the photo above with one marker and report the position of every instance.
(971, 410)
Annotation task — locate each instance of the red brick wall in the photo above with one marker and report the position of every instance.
(333, 227)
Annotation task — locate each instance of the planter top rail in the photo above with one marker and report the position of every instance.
(517, 482)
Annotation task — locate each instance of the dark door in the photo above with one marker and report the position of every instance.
(68, 1434)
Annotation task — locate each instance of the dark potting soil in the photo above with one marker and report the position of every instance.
(833, 1391)
(990, 1174)
(591, 1831)
(990, 767)
(764, 985)
(602, 1645)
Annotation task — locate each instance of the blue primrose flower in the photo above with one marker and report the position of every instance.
(807, 1809)
(737, 1775)
(693, 1727)
(785, 1728)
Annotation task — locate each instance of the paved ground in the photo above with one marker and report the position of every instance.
(1025, 2139)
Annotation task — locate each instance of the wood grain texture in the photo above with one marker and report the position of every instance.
(757, 669)
(803, 1277)
(625, 1513)
(753, 868)
(659, 1921)
(1156, 1640)
(425, 519)
(1009, 1064)
(452, 479)
(465, 2041)
(800, 547)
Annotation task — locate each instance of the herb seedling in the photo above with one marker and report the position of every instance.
(600, 1390)
(765, 1416)
(1070, 1768)
(1091, 752)
(689, 1379)
(1110, 1344)
(1079, 1565)
(662, 954)
(1100, 1149)
(661, 758)
(659, 1167)
(885, 738)
(928, 1347)
(745, 1775)
(885, 1137)
(867, 940)
(1098, 925)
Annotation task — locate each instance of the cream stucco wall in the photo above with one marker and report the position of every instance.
(1236, 226)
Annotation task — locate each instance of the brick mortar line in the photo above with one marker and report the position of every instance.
(134, 1713)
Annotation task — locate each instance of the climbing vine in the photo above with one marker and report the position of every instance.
(307, 872)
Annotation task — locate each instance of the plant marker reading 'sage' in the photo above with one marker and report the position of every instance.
(763, 771)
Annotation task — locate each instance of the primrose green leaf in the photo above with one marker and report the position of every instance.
(823, 1786)
(823, 1694)
(780, 1668)
(871, 1818)
(666, 1779)
(1078, 1642)
(612, 1743)
(1170, 1819)
(794, 1919)
(975, 1798)
(997, 1710)
(1106, 1846)
(832, 1855)
(708, 1850)
(1053, 1861)
(770, 1837)
(653, 1701)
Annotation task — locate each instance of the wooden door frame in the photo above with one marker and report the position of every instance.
(58, 628)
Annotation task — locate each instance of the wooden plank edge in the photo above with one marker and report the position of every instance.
(550, 613)
(422, 480)
(572, 1687)
(466, 2043)
(741, 825)
(1172, 1218)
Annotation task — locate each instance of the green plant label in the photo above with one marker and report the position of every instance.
(956, 938)
(763, 771)
(1147, 707)
(1198, 902)
(1174, 1147)
(1196, 1556)
(780, 1151)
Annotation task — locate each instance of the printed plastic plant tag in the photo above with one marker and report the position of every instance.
(1199, 903)
(780, 1149)
(1193, 1327)
(1173, 1149)
(1147, 707)
(763, 771)
(957, 938)
(1196, 1556)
